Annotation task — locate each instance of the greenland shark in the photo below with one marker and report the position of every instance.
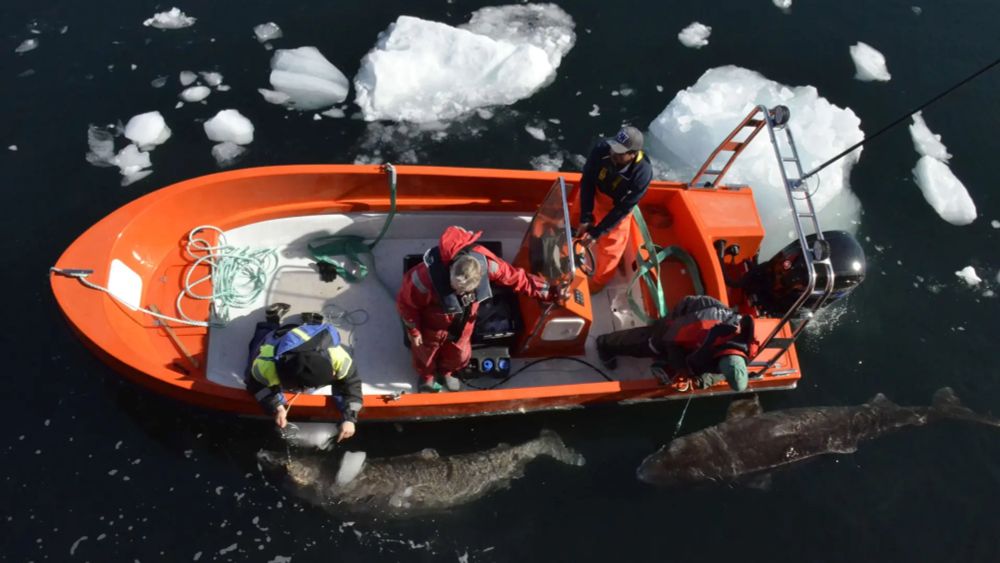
(751, 442)
(414, 483)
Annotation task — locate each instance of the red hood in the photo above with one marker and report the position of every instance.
(454, 239)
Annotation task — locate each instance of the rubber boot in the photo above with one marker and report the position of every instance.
(275, 311)
(310, 318)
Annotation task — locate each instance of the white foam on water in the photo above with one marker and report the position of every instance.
(695, 35)
(147, 130)
(187, 77)
(536, 132)
(701, 116)
(926, 142)
(171, 19)
(26, 45)
(229, 125)
(225, 154)
(312, 434)
(946, 193)
(968, 275)
(211, 78)
(869, 63)
(548, 162)
(267, 32)
(350, 467)
(424, 71)
(307, 78)
(195, 93)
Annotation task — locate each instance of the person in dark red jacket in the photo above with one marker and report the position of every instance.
(702, 338)
(440, 297)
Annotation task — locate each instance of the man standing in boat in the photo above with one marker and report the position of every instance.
(296, 357)
(615, 177)
(440, 297)
(702, 338)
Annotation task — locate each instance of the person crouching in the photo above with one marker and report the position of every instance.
(440, 297)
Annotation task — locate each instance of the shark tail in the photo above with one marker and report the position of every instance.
(946, 404)
(553, 446)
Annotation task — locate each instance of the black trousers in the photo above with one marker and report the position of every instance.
(630, 342)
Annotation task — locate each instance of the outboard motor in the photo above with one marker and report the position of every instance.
(775, 285)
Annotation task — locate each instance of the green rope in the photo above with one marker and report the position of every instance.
(649, 271)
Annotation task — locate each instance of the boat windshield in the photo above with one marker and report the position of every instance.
(549, 238)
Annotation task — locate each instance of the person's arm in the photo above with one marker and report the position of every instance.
(413, 296)
(350, 389)
(588, 185)
(502, 273)
(635, 188)
(269, 396)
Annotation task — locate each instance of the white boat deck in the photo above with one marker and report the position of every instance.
(371, 326)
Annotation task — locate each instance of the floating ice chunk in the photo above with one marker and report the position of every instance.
(917, 10)
(226, 153)
(946, 193)
(187, 77)
(223, 87)
(968, 275)
(229, 125)
(695, 35)
(130, 178)
(195, 93)
(274, 97)
(423, 71)
(158, 82)
(267, 32)
(27, 45)
(178, 105)
(701, 116)
(12, 148)
(869, 63)
(926, 142)
(130, 159)
(551, 163)
(102, 146)
(312, 434)
(172, 19)
(335, 113)
(785, 5)
(213, 79)
(309, 80)
(995, 224)
(351, 465)
(147, 130)
(545, 26)
(536, 132)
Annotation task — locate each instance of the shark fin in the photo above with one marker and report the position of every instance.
(880, 399)
(744, 408)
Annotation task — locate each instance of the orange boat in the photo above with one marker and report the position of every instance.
(136, 263)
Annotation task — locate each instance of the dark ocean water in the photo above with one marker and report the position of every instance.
(96, 470)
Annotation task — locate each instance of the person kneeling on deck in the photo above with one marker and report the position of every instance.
(702, 338)
(439, 299)
(294, 357)
(615, 177)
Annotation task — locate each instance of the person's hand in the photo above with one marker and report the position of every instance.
(581, 231)
(416, 340)
(281, 416)
(585, 239)
(346, 431)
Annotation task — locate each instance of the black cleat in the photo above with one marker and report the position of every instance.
(312, 318)
(609, 360)
(275, 311)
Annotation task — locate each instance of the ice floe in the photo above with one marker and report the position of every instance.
(226, 153)
(195, 93)
(213, 79)
(423, 71)
(695, 35)
(926, 142)
(785, 5)
(229, 125)
(12, 148)
(995, 224)
(968, 275)
(869, 63)
(187, 77)
(133, 163)
(26, 45)
(267, 32)
(946, 193)
(536, 132)
(171, 19)
(305, 80)
(147, 130)
(699, 117)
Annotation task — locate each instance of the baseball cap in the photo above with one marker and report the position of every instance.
(628, 139)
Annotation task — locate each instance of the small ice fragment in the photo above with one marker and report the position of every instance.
(159, 82)
(27, 45)
(317, 117)
(917, 10)
(785, 5)
(226, 550)
(926, 142)
(595, 112)
(695, 35)
(351, 465)
(213, 79)
(134, 66)
(14, 148)
(946, 193)
(335, 113)
(869, 63)
(147, 130)
(308, 79)
(968, 275)
(229, 125)
(274, 97)
(131, 160)
(178, 105)
(195, 93)
(995, 224)
(536, 132)
(102, 146)
(172, 19)
(187, 77)
(63, 30)
(659, 87)
(76, 544)
(484, 113)
(223, 87)
(226, 153)
(551, 163)
(267, 31)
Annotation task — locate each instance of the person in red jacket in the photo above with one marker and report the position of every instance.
(440, 297)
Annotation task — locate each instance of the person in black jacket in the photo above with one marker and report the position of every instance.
(615, 177)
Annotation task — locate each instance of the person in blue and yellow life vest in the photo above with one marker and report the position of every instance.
(615, 177)
(294, 357)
